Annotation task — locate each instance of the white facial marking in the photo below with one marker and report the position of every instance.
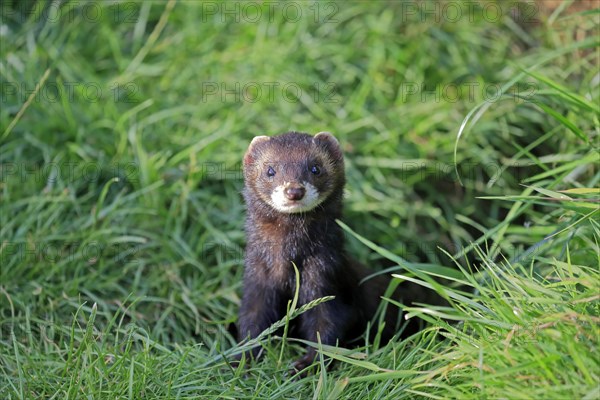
(282, 204)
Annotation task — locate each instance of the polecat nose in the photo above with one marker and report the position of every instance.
(294, 192)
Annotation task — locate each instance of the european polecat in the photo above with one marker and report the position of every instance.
(293, 191)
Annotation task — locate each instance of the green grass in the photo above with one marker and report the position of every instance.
(124, 288)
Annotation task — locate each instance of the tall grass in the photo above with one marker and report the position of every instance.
(472, 164)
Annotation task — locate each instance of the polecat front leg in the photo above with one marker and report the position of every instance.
(331, 319)
(261, 307)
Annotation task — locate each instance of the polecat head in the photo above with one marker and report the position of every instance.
(294, 172)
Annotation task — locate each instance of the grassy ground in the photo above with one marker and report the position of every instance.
(471, 134)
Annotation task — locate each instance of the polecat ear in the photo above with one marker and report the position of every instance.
(258, 139)
(248, 159)
(330, 142)
(326, 136)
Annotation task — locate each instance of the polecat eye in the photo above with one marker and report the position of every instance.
(270, 172)
(315, 170)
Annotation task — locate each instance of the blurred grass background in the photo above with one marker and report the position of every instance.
(124, 288)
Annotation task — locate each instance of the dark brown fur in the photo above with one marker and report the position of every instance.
(312, 240)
